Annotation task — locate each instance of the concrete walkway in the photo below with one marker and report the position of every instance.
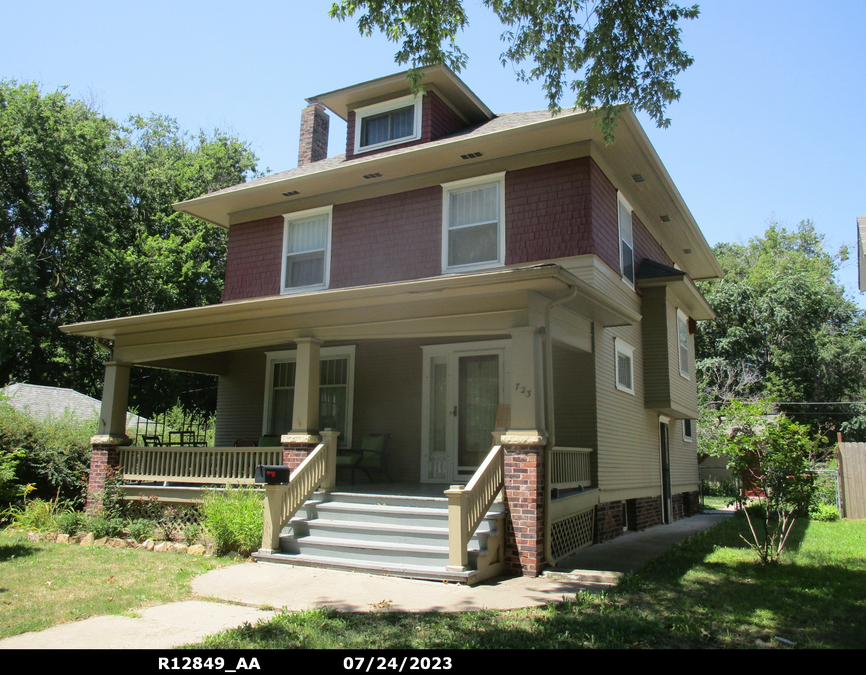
(258, 588)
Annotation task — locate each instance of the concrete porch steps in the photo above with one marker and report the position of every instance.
(398, 535)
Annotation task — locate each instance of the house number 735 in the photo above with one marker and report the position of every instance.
(523, 391)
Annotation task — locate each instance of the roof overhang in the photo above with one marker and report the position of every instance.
(686, 293)
(655, 198)
(441, 78)
(484, 303)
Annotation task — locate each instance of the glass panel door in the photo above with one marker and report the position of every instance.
(478, 398)
(437, 458)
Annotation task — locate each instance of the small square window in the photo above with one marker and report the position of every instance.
(473, 223)
(388, 123)
(688, 431)
(306, 250)
(683, 340)
(624, 366)
(626, 239)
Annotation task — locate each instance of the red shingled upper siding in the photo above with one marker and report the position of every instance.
(547, 212)
(253, 259)
(605, 224)
(391, 238)
(645, 246)
(437, 120)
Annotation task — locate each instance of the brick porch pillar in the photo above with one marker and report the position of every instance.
(524, 499)
(296, 447)
(104, 461)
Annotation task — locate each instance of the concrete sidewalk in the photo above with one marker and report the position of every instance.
(261, 585)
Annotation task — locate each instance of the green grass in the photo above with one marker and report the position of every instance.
(707, 592)
(44, 584)
(716, 503)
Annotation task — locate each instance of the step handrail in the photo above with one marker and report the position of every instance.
(467, 506)
(283, 501)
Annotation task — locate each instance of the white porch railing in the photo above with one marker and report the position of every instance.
(216, 466)
(468, 505)
(570, 468)
(283, 501)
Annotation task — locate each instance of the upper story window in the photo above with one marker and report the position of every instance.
(626, 241)
(307, 250)
(624, 353)
(473, 223)
(388, 123)
(683, 339)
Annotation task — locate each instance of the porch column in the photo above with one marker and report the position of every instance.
(305, 418)
(111, 432)
(524, 449)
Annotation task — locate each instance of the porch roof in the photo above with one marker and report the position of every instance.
(482, 303)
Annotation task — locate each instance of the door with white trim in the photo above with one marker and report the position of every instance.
(463, 387)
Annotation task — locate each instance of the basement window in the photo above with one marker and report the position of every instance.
(388, 123)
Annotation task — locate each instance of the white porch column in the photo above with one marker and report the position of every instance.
(115, 397)
(305, 418)
(526, 383)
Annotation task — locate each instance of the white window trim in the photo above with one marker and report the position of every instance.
(684, 368)
(447, 189)
(386, 106)
(300, 215)
(623, 203)
(345, 439)
(621, 347)
(689, 439)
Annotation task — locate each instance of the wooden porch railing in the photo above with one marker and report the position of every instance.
(570, 468)
(468, 505)
(283, 501)
(216, 466)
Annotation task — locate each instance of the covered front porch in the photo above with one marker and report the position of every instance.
(453, 372)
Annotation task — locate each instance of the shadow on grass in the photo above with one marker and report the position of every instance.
(9, 551)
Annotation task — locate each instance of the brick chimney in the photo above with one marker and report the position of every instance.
(314, 135)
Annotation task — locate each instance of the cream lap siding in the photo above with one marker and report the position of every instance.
(628, 450)
(684, 460)
(240, 397)
(684, 392)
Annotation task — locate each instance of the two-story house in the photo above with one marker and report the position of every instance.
(503, 298)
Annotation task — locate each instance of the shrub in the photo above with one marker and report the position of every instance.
(827, 513)
(234, 518)
(102, 527)
(141, 529)
(191, 533)
(72, 522)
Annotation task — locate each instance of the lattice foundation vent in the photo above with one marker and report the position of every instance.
(571, 534)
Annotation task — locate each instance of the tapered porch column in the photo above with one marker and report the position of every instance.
(111, 432)
(305, 418)
(304, 436)
(524, 448)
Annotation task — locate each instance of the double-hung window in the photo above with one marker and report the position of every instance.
(626, 240)
(624, 365)
(689, 431)
(388, 123)
(473, 223)
(683, 340)
(336, 383)
(306, 250)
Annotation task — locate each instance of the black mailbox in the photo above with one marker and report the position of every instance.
(272, 474)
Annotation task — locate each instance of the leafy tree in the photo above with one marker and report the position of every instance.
(87, 232)
(606, 52)
(773, 456)
(785, 330)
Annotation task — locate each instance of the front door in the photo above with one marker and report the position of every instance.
(463, 387)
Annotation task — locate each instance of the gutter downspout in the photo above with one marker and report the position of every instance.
(551, 422)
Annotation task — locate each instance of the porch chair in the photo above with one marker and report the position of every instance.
(371, 456)
(245, 443)
(152, 441)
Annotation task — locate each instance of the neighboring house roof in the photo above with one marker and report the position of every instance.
(43, 402)
(861, 250)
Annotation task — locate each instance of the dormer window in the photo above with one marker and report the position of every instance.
(388, 123)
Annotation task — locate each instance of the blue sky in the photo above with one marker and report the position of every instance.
(770, 124)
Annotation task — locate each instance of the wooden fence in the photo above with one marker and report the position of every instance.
(852, 479)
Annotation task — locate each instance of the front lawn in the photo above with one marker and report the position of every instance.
(44, 584)
(707, 592)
